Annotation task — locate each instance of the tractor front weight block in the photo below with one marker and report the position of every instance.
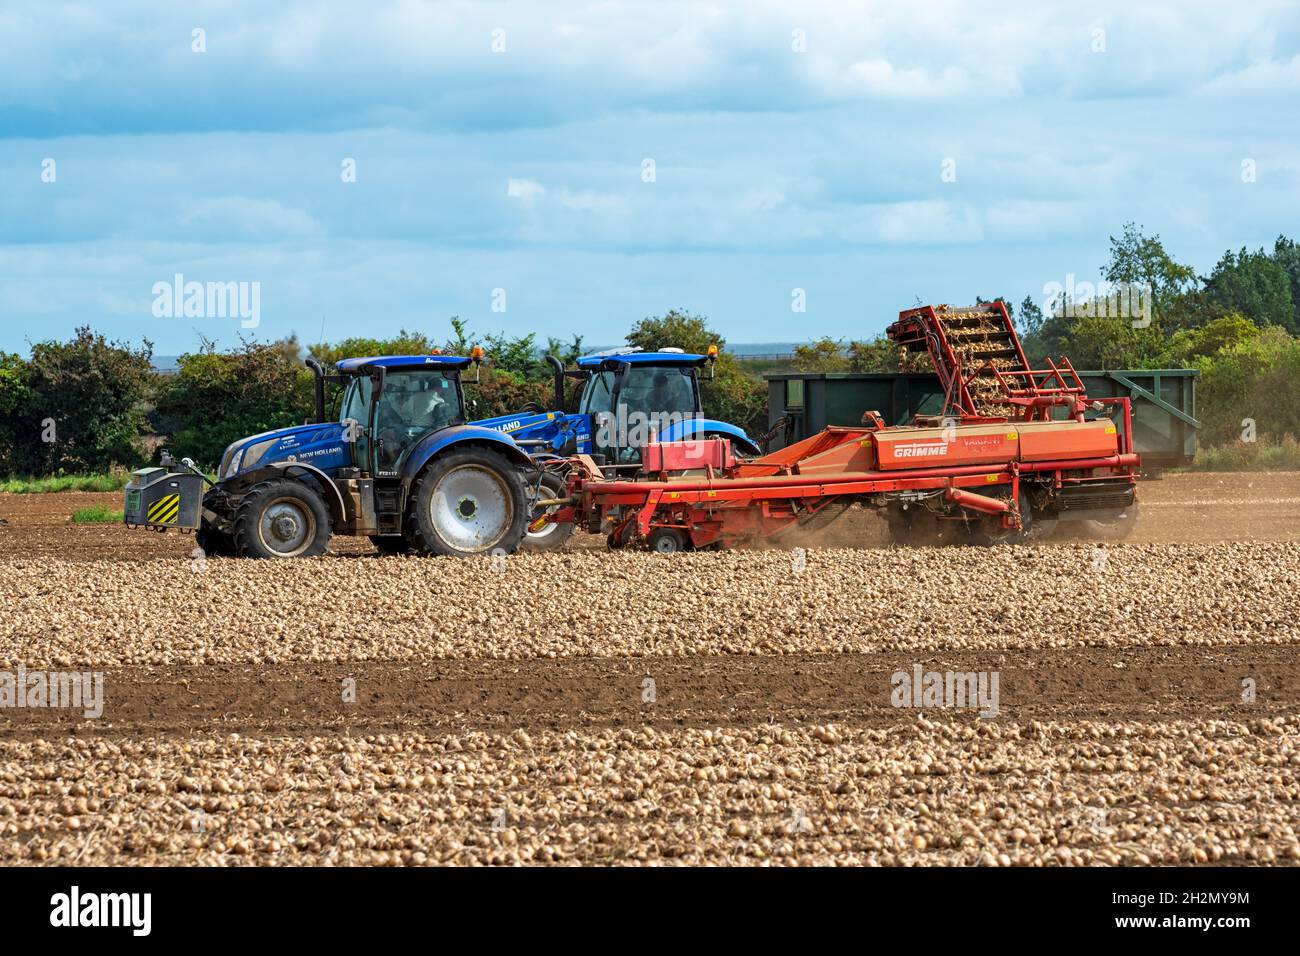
(162, 500)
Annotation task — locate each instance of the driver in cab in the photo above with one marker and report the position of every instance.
(408, 412)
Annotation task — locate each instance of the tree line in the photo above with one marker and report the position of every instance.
(1238, 327)
(90, 405)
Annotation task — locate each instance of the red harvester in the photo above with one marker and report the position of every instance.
(1013, 452)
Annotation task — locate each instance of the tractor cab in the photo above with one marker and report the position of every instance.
(628, 399)
(390, 404)
(636, 397)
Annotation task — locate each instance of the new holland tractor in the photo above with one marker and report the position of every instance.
(629, 398)
(401, 466)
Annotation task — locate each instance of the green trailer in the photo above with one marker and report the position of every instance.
(1164, 405)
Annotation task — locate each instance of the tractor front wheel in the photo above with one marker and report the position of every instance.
(468, 503)
(281, 519)
(215, 544)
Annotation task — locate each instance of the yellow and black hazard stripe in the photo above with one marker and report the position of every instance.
(165, 510)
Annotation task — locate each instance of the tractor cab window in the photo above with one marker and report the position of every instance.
(356, 401)
(598, 396)
(412, 405)
(658, 392)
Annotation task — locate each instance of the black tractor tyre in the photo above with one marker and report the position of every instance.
(1115, 529)
(667, 541)
(554, 536)
(215, 544)
(389, 544)
(470, 476)
(281, 519)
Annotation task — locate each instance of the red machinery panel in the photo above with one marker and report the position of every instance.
(942, 447)
(712, 453)
(1056, 441)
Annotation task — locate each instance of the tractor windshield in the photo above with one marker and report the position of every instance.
(413, 404)
(422, 400)
(658, 392)
(650, 391)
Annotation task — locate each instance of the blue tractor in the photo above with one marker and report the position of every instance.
(628, 397)
(401, 465)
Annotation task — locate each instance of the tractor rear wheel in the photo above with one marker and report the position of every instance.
(470, 502)
(552, 536)
(281, 519)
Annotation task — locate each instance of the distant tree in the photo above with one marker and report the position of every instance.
(1257, 379)
(1029, 317)
(1186, 346)
(1110, 342)
(823, 355)
(1286, 252)
(404, 343)
(1255, 284)
(880, 354)
(459, 343)
(675, 329)
(832, 355)
(517, 356)
(218, 397)
(567, 352)
(1142, 260)
(92, 393)
(18, 433)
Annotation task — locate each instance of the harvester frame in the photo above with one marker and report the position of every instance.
(1030, 468)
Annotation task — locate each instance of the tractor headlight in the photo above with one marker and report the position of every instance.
(231, 462)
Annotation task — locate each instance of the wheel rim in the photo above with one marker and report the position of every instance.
(471, 508)
(666, 544)
(288, 527)
(549, 529)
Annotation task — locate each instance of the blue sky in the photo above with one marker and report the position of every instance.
(795, 146)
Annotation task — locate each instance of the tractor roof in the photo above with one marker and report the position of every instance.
(404, 361)
(641, 358)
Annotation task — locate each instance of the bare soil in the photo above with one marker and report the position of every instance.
(247, 748)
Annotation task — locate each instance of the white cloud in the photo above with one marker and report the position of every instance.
(880, 78)
(247, 217)
(1269, 77)
(931, 222)
(524, 189)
